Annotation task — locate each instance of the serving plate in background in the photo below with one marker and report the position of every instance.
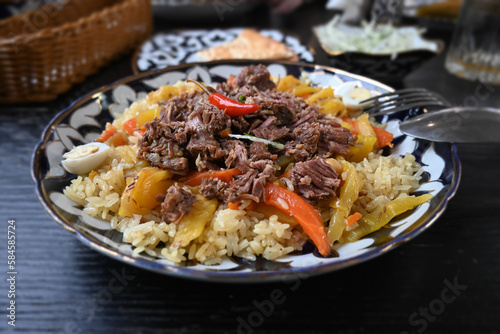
(178, 47)
(84, 120)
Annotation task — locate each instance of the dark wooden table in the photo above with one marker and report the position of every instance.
(445, 281)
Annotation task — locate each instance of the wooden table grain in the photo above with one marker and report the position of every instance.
(446, 280)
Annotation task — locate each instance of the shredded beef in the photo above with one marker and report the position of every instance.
(160, 147)
(315, 179)
(178, 201)
(242, 186)
(180, 107)
(251, 184)
(308, 134)
(213, 188)
(334, 139)
(259, 151)
(237, 155)
(239, 125)
(283, 106)
(297, 150)
(192, 133)
(204, 144)
(269, 130)
(257, 76)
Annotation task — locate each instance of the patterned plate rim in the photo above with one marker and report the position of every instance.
(138, 50)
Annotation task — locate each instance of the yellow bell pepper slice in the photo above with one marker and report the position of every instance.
(164, 93)
(364, 145)
(366, 142)
(383, 215)
(147, 116)
(293, 85)
(139, 197)
(349, 193)
(327, 102)
(191, 226)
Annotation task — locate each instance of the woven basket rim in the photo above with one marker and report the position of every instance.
(66, 26)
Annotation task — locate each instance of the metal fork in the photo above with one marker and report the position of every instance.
(403, 99)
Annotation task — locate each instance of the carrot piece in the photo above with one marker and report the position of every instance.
(233, 206)
(384, 137)
(230, 80)
(194, 179)
(304, 213)
(130, 125)
(352, 219)
(107, 133)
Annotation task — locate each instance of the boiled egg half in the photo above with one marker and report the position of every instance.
(85, 158)
(352, 94)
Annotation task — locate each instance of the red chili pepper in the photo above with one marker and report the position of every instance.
(229, 106)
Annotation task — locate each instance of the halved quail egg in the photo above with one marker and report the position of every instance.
(85, 158)
(352, 94)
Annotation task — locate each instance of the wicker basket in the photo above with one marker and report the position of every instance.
(44, 52)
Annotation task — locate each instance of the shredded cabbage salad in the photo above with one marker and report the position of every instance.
(371, 37)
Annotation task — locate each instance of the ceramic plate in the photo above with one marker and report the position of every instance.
(84, 120)
(163, 50)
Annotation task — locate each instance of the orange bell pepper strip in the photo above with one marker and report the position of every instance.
(194, 179)
(303, 212)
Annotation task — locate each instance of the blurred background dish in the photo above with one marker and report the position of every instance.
(438, 15)
(437, 9)
(16, 7)
(382, 51)
(193, 10)
(170, 49)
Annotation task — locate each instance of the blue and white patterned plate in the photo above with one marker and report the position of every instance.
(84, 120)
(171, 49)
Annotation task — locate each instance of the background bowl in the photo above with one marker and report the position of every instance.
(386, 67)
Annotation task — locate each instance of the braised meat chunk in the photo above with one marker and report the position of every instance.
(257, 76)
(178, 201)
(315, 179)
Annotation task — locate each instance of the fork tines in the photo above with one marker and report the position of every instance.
(403, 99)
